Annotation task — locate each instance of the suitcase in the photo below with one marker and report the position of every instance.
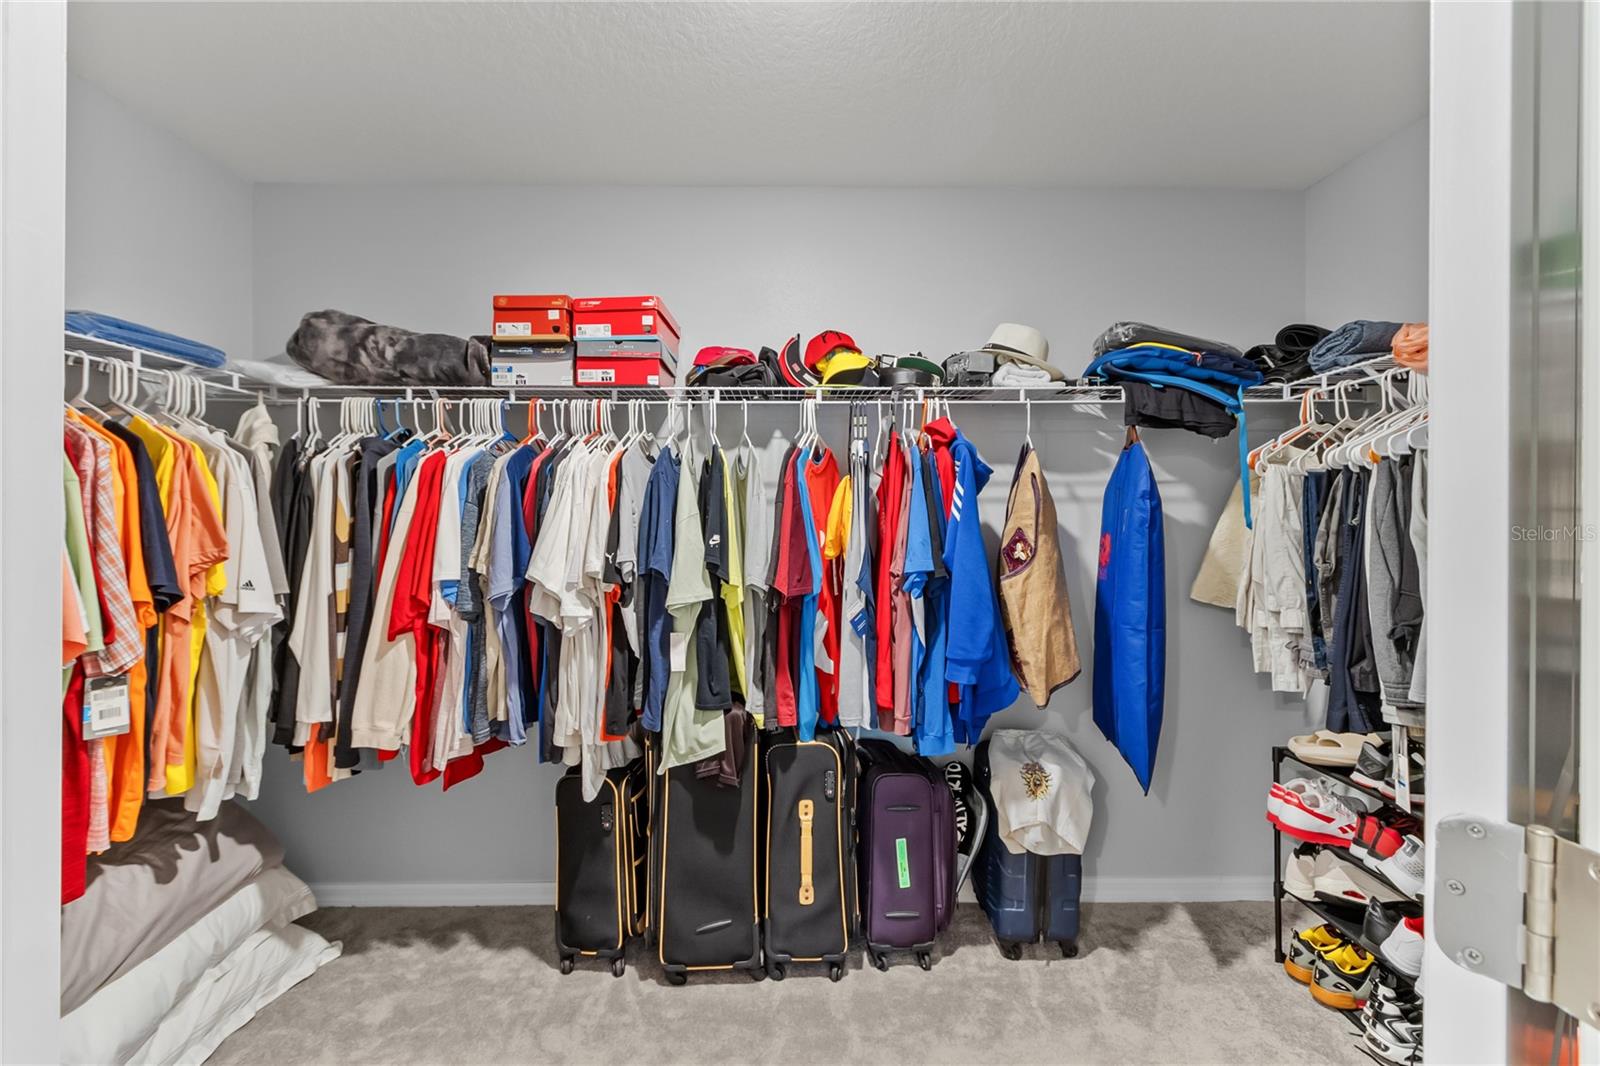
(907, 853)
(704, 852)
(600, 865)
(809, 889)
(1027, 897)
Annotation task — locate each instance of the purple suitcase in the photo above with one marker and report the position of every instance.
(908, 853)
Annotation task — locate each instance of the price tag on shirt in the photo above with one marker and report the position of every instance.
(1400, 745)
(106, 710)
(679, 648)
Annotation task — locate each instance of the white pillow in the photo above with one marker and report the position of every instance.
(123, 1014)
(264, 967)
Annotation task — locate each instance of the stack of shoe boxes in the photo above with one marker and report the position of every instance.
(625, 341)
(532, 341)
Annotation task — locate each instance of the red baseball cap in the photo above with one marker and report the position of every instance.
(825, 344)
(719, 355)
(791, 368)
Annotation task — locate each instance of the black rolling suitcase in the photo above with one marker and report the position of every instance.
(809, 891)
(704, 892)
(600, 865)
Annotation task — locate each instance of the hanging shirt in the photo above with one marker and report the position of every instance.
(689, 734)
(977, 657)
(791, 583)
(714, 676)
(657, 522)
(891, 495)
(809, 640)
(753, 516)
(821, 475)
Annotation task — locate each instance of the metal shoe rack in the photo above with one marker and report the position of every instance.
(1351, 928)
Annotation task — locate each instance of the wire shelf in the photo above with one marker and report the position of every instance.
(1079, 392)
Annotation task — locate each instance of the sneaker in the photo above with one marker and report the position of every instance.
(1372, 767)
(1402, 948)
(1343, 978)
(1396, 1040)
(1318, 818)
(1300, 874)
(1381, 918)
(1288, 792)
(1344, 885)
(1404, 866)
(1306, 947)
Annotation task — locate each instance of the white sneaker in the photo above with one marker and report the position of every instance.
(1287, 792)
(1318, 818)
(1403, 949)
(1341, 883)
(1300, 875)
(1405, 868)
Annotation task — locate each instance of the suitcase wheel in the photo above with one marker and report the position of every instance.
(777, 970)
(567, 963)
(677, 979)
(1010, 949)
(758, 973)
(836, 971)
(619, 966)
(1069, 949)
(880, 961)
(925, 960)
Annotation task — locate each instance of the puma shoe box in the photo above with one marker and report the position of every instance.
(640, 361)
(595, 317)
(532, 319)
(539, 365)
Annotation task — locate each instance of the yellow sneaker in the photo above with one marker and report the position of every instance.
(1343, 978)
(1307, 946)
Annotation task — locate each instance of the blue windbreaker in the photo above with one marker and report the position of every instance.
(977, 657)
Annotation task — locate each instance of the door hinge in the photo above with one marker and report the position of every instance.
(1521, 906)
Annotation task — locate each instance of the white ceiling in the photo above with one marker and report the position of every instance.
(1233, 94)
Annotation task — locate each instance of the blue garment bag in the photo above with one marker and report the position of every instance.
(1130, 613)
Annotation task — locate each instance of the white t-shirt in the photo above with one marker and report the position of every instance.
(1042, 792)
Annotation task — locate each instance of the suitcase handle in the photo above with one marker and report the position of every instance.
(808, 891)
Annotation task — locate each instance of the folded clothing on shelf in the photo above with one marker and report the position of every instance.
(1352, 343)
(351, 350)
(1133, 334)
(1288, 357)
(145, 338)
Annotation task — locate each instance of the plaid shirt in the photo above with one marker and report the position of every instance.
(124, 638)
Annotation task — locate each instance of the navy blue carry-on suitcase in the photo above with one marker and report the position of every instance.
(1027, 897)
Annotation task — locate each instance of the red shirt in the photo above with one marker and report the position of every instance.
(791, 580)
(413, 592)
(822, 481)
(74, 790)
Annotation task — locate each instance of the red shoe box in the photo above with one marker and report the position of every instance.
(540, 319)
(625, 362)
(625, 316)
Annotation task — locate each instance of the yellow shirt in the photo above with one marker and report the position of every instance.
(838, 533)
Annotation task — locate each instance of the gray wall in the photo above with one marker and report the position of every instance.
(156, 232)
(900, 270)
(1367, 235)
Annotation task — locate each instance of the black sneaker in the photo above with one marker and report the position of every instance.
(1372, 768)
(1396, 1039)
(1381, 917)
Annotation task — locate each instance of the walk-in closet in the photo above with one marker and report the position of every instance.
(776, 532)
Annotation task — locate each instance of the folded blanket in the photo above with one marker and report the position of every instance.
(144, 893)
(1021, 376)
(1352, 343)
(146, 338)
(1131, 334)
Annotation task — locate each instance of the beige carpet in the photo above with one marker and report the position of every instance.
(1155, 983)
